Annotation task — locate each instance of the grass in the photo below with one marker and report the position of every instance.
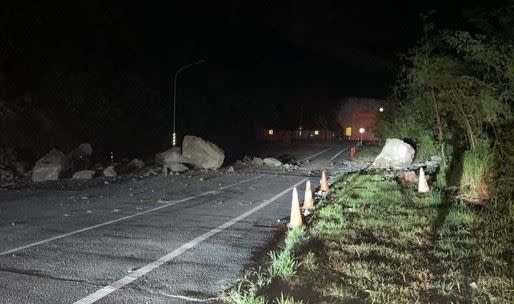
(246, 291)
(474, 173)
(374, 240)
(283, 265)
(287, 300)
(245, 297)
(295, 238)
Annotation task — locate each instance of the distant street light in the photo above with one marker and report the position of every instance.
(174, 135)
(381, 109)
(361, 131)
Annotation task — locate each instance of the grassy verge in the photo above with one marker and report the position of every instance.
(374, 240)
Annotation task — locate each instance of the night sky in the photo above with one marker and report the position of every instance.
(110, 65)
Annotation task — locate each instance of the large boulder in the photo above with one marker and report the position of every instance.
(396, 154)
(79, 158)
(49, 167)
(201, 153)
(10, 167)
(7, 158)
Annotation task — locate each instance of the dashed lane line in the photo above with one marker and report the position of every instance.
(316, 154)
(338, 153)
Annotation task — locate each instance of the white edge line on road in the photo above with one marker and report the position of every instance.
(167, 204)
(316, 154)
(338, 153)
(105, 291)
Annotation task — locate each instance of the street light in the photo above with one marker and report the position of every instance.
(381, 109)
(361, 131)
(174, 136)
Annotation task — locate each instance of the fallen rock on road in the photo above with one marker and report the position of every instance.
(202, 153)
(49, 167)
(110, 172)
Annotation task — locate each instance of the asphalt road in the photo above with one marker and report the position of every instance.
(160, 239)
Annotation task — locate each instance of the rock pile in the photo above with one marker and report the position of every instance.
(195, 151)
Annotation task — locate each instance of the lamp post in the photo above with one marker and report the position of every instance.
(174, 135)
(361, 131)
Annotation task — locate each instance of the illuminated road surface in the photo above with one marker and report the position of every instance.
(161, 239)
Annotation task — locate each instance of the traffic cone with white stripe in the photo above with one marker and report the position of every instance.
(308, 203)
(323, 182)
(422, 182)
(296, 215)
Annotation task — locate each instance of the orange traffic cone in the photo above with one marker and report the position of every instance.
(308, 203)
(323, 183)
(353, 151)
(422, 183)
(296, 216)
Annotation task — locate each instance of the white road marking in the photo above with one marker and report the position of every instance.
(105, 291)
(339, 153)
(316, 154)
(168, 203)
(189, 299)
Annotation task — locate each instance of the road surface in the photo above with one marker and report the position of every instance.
(158, 239)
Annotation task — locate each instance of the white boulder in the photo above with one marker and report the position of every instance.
(49, 167)
(396, 154)
(202, 153)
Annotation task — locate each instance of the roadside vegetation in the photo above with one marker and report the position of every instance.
(455, 98)
(375, 240)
